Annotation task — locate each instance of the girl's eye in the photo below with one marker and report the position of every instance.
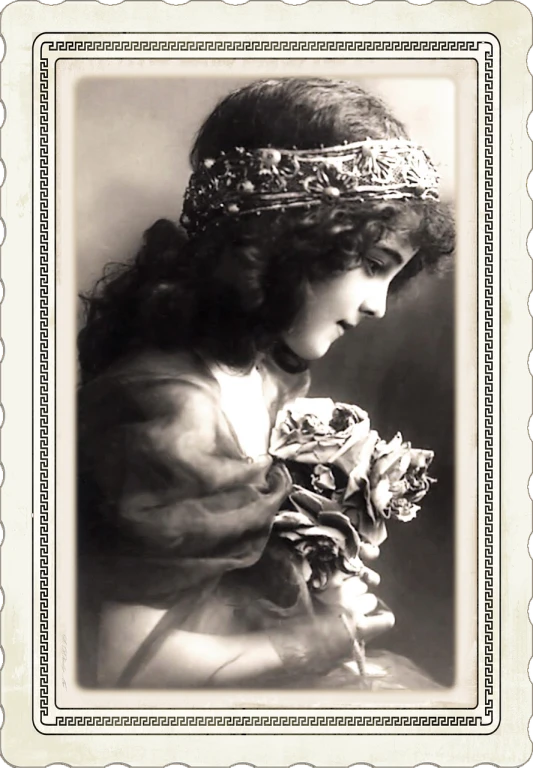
(374, 266)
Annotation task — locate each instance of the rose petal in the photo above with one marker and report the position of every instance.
(384, 448)
(320, 407)
(360, 456)
(306, 501)
(420, 458)
(375, 534)
(404, 463)
(310, 502)
(352, 565)
(319, 451)
(342, 522)
(389, 463)
(349, 412)
(408, 513)
(291, 519)
(381, 495)
(289, 535)
(327, 532)
(323, 479)
(346, 455)
(307, 571)
(305, 431)
(320, 581)
(285, 452)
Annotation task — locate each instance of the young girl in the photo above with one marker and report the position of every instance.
(306, 204)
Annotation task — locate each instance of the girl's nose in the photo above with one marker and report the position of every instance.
(375, 301)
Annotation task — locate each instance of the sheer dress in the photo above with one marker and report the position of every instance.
(173, 514)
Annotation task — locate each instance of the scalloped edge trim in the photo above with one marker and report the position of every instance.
(529, 248)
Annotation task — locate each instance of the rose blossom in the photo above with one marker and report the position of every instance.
(323, 538)
(399, 479)
(329, 447)
(318, 431)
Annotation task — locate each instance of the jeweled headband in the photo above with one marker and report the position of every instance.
(251, 181)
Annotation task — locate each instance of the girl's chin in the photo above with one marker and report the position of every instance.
(309, 354)
(308, 349)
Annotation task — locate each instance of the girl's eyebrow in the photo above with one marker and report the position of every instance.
(394, 255)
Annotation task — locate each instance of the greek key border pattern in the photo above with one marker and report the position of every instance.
(384, 720)
(262, 46)
(261, 721)
(488, 372)
(44, 394)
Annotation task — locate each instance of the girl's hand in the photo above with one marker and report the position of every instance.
(358, 605)
(362, 610)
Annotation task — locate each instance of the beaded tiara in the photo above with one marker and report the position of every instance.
(252, 181)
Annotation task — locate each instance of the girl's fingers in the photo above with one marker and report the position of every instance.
(371, 626)
(364, 604)
(264, 461)
(369, 576)
(351, 589)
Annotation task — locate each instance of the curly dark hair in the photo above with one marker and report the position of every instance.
(231, 291)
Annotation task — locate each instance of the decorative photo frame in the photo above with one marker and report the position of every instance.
(57, 63)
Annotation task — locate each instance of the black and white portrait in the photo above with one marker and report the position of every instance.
(265, 384)
(265, 434)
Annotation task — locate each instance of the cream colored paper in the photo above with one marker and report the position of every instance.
(481, 52)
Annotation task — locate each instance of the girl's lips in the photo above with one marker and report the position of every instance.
(344, 326)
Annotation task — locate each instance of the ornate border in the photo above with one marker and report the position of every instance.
(317, 720)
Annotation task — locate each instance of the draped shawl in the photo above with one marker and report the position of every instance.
(167, 501)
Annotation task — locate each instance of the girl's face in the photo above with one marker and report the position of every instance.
(338, 304)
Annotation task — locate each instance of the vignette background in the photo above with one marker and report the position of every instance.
(131, 163)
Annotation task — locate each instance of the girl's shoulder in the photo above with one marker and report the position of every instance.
(156, 382)
(154, 364)
(171, 390)
(150, 371)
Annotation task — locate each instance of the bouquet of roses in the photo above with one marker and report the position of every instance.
(347, 482)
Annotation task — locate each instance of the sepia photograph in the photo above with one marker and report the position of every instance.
(265, 382)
